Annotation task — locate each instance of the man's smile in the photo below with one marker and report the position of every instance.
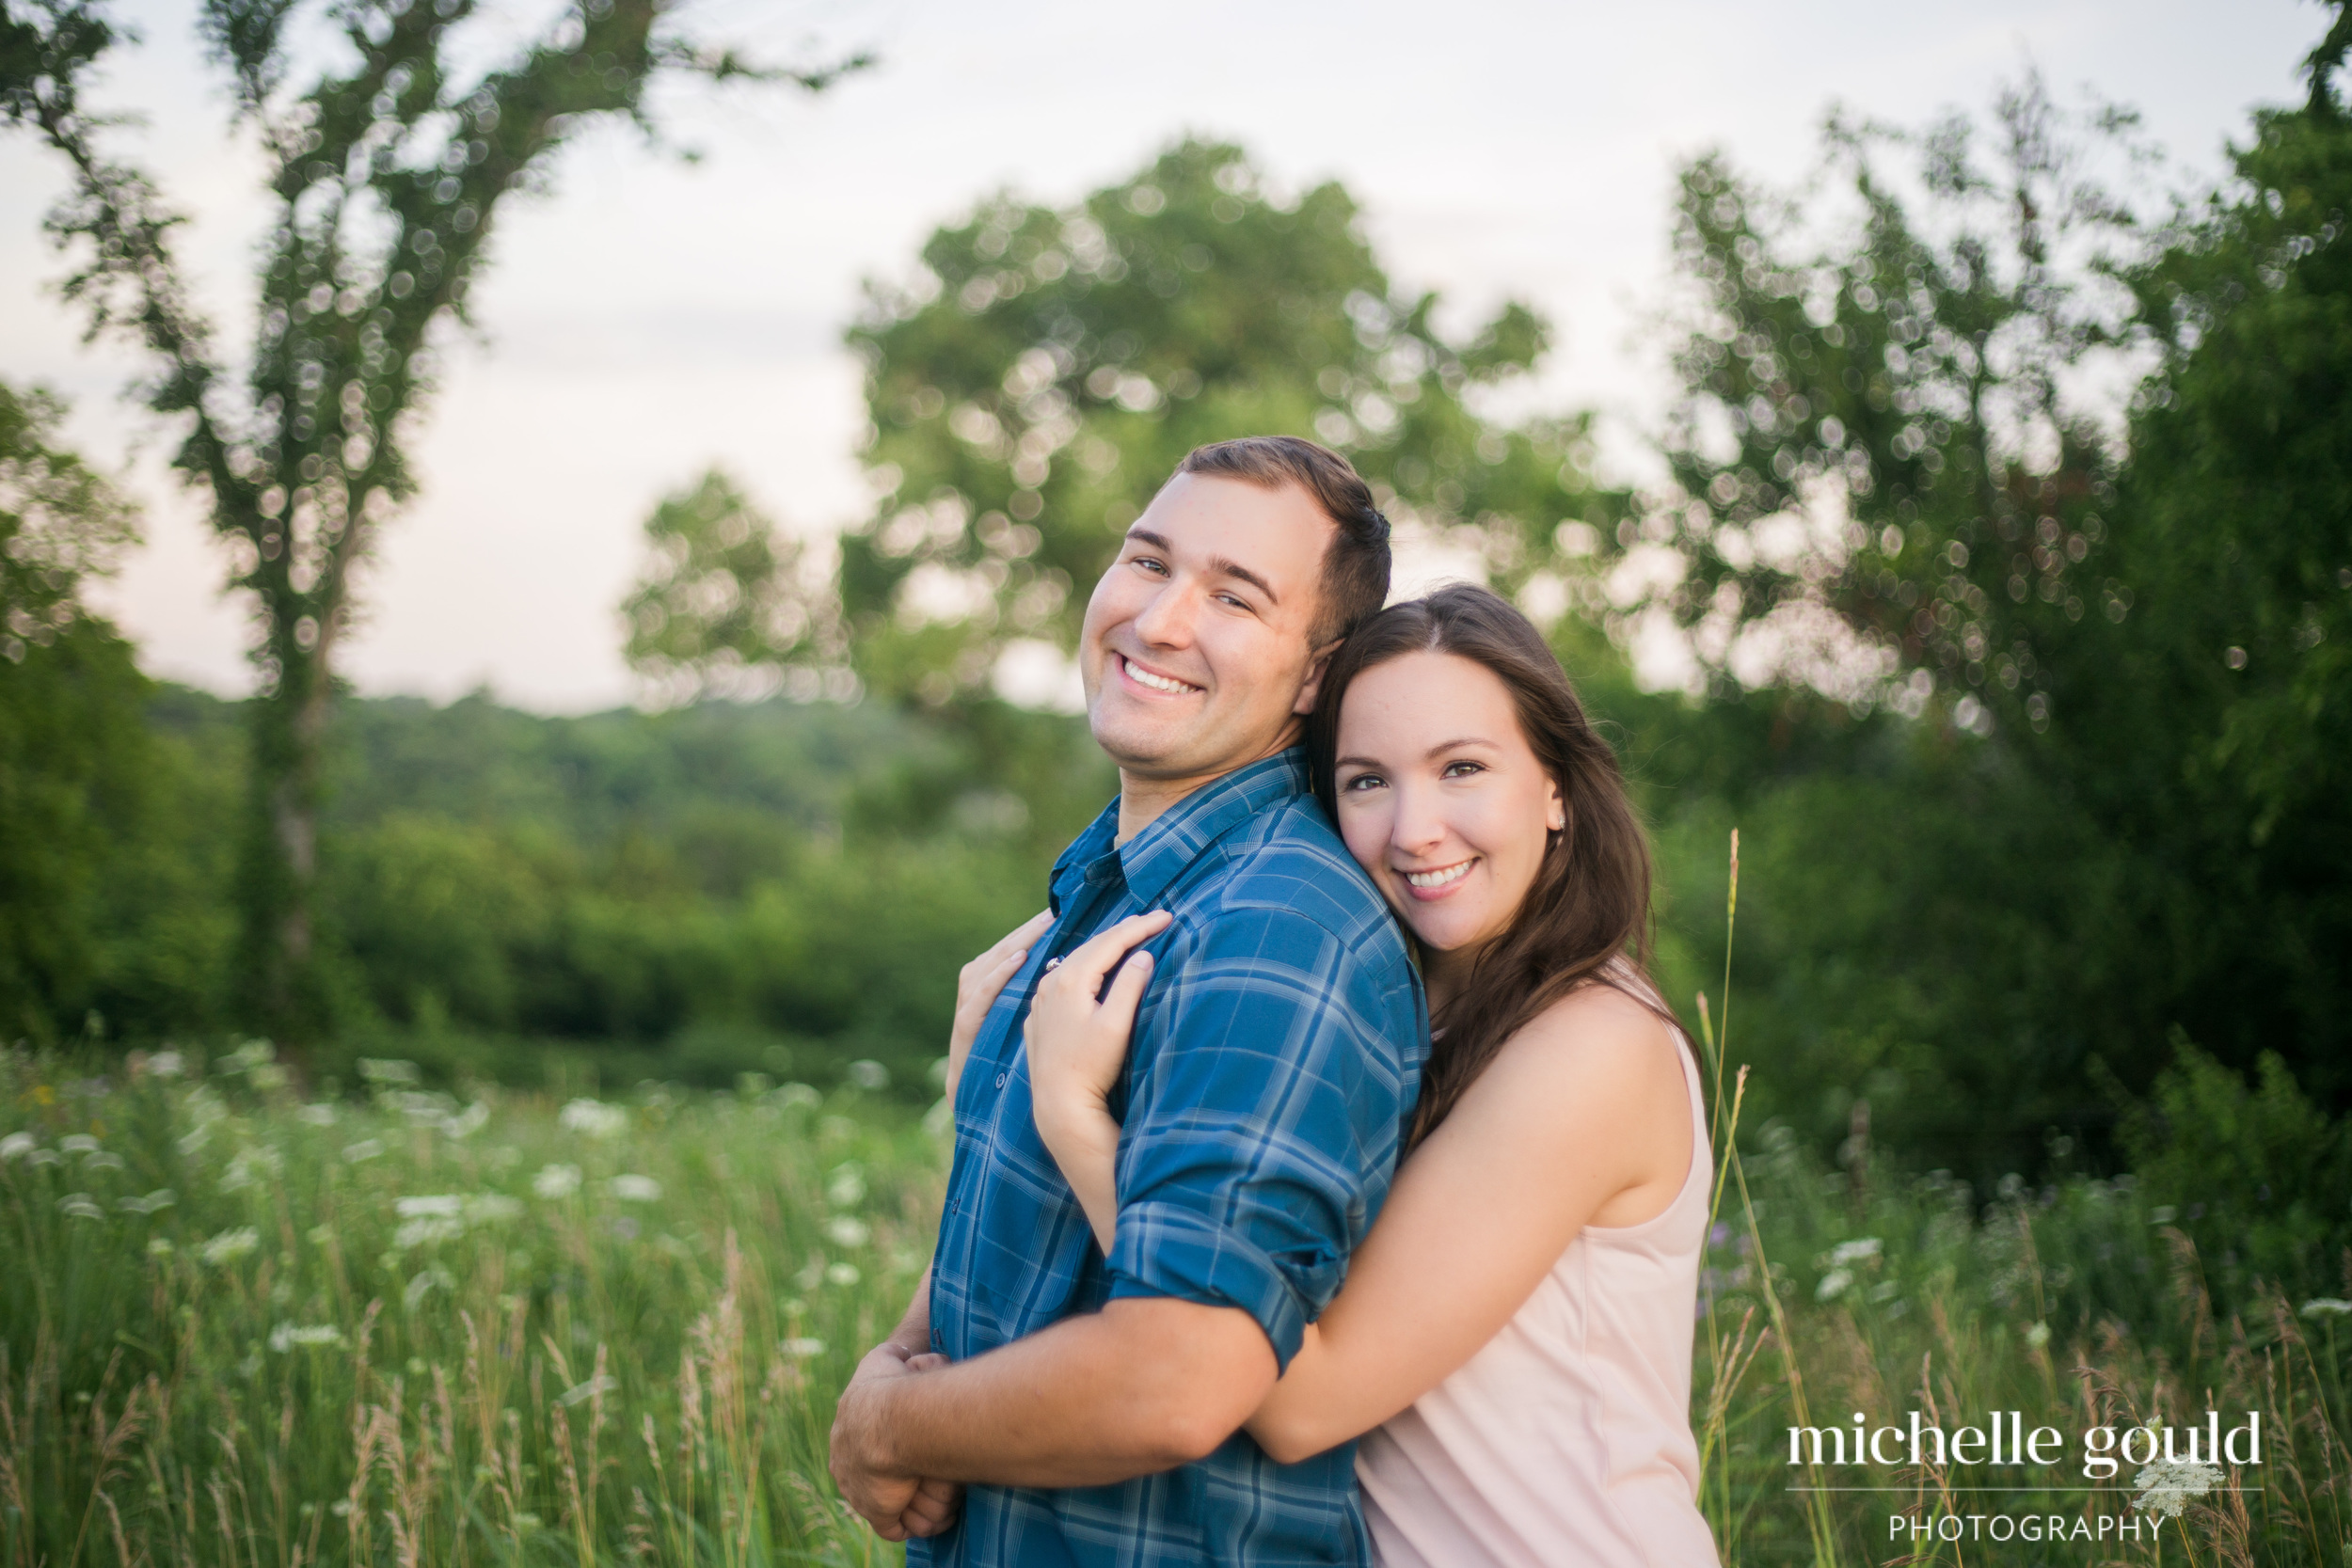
(1153, 681)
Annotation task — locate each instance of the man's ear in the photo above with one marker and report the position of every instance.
(1316, 669)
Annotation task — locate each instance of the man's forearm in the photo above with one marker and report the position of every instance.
(1144, 1386)
(913, 1336)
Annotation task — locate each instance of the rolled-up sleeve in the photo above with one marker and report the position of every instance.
(1269, 1082)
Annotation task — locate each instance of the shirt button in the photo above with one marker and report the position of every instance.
(1000, 1080)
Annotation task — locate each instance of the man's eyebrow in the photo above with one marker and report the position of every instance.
(1216, 562)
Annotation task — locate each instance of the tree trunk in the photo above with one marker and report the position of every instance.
(285, 994)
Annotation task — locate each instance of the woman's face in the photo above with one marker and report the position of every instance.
(1440, 798)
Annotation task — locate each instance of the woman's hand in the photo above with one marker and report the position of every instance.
(978, 984)
(1076, 1045)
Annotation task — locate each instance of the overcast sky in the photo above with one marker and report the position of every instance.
(655, 317)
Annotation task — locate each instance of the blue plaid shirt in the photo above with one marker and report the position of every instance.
(1276, 1057)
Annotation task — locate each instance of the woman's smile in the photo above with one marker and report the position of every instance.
(1438, 880)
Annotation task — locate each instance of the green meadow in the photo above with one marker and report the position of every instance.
(406, 1326)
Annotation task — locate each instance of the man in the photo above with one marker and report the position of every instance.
(1093, 1405)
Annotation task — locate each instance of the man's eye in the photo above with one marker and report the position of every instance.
(1148, 563)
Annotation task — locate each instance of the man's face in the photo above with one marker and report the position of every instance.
(1195, 649)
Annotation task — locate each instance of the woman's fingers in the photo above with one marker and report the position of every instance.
(1126, 991)
(1086, 967)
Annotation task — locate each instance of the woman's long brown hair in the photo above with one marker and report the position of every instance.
(1590, 901)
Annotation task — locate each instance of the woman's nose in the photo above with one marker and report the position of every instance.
(1419, 825)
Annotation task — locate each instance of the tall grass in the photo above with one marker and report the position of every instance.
(488, 1329)
(1866, 1294)
(243, 1330)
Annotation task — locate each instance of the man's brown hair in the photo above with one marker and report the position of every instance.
(1356, 567)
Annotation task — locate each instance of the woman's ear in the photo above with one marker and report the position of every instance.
(1555, 809)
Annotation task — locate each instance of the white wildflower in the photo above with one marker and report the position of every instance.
(2170, 1485)
(162, 1198)
(604, 1383)
(229, 1245)
(492, 1208)
(166, 1064)
(18, 1145)
(869, 1075)
(556, 1182)
(800, 1095)
(940, 1120)
(2326, 1306)
(848, 1187)
(365, 1149)
(424, 1284)
(466, 1123)
(159, 1246)
(1833, 1285)
(633, 1188)
(377, 1071)
(105, 1159)
(80, 1205)
(1855, 1252)
(254, 1164)
(446, 1206)
(846, 1231)
(843, 1275)
(594, 1118)
(428, 1231)
(77, 1143)
(802, 1348)
(285, 1336)
(44, 1157)
(320, 1115)
(2037, 1336)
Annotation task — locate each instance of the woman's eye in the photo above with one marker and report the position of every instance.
(1360, 782)
(1462, 769)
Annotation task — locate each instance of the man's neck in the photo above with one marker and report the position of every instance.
(1143, 799)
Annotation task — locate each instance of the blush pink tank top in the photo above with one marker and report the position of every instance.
(1567, 1439)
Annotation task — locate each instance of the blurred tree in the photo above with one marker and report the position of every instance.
(386, 170)
(74, 757)
(1881, 493)
(1045, 370)
(2213, 726)
(725, 607)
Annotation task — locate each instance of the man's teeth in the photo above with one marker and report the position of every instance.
(1157, 683)
(1439, 879)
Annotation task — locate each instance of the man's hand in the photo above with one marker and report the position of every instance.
(936, 1502)
(867, 1483)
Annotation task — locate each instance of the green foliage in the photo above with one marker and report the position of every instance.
(385, 170)
(62, 524)
(1045, 370)
(1880, 481)
(2256, 1173)
(725, 608)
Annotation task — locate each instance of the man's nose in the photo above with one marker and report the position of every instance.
(1166, 621)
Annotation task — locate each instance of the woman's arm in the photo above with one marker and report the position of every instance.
(1582, 1119)
(1076, 1046)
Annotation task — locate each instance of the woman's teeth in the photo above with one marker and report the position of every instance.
(1441, 877)
(1157, 683)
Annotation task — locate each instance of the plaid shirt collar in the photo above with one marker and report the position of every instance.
(1173, 840)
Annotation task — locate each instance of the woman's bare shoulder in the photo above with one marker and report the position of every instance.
(1595, 1034)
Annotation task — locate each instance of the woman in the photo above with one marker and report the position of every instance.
(1514, 1339)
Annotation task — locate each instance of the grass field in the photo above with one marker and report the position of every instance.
(408, 1326)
